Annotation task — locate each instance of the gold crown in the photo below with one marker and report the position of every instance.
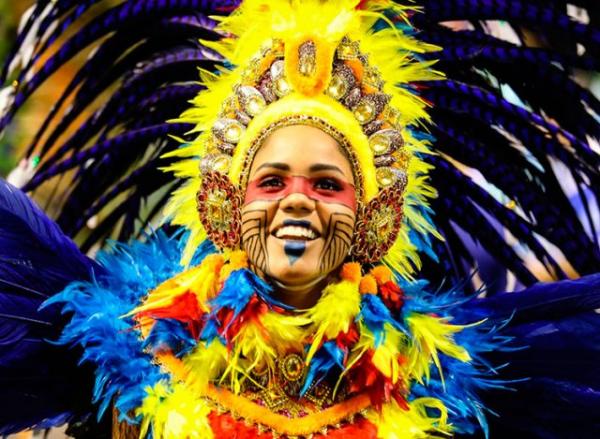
(352, 82)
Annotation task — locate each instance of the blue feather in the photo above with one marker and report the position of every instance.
(170, 334)
(375, 315)
(123, 369)
(543, 300)
(239, 288)
(328, 358)
(36, 261)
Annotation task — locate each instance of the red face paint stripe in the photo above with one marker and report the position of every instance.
(303, 185)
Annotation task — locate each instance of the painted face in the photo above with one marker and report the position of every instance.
(300, 206)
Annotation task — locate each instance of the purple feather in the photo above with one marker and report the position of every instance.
(36, 261)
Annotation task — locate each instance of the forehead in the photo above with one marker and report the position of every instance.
(301, 146)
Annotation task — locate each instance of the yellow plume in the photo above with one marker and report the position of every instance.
(393, 422)
(432, 335)
(174, 415)
(334, 312)
(205, 364)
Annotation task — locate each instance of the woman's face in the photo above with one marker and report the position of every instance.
(299, 208)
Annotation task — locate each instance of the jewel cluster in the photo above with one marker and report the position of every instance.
(364, 98)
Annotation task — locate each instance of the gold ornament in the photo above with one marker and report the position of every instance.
(385, 142)
(307, 64)
(252, 101)
(228, 130)
(219, 207)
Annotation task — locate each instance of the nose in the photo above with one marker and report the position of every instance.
(297, 202)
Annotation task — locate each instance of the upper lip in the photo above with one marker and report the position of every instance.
(296, 223)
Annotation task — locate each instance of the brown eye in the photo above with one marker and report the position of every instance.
(271, 182)
(328, 184)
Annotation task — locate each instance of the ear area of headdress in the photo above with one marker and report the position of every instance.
(219, 208)
(308, 62)
(378, 224)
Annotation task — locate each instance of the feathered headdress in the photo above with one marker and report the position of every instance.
(347, 79)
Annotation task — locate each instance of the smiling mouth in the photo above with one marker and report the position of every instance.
(295, 230)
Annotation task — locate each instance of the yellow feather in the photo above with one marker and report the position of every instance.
(432, 335)
(333, 313)
(385, 357)
(174, 415)
(200, 280)
(205, 364)
(393, 422)
(258, 345)
(286, 333)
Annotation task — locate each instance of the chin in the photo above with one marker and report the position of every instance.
(297, 274)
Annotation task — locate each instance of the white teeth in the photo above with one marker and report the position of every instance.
(295, 232)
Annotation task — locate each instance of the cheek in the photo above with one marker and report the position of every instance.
(256, 220)
(338, 224)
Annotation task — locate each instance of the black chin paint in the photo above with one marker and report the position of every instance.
(294, 250)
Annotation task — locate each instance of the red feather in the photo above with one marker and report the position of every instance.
(365, 377)
(231, 326)
(184, 308)
(392, 295)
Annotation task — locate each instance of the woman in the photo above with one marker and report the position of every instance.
(308, 178)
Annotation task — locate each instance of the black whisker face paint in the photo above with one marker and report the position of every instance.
(254, 224)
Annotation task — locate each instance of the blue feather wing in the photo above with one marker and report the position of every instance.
(555, 370)
(42, 381)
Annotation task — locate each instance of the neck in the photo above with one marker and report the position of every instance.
(300, 296)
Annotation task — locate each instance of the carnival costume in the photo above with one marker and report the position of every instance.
(181, 331)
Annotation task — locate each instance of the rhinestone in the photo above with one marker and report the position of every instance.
(337, 87)
(385, 177)
(255, 105)
(347, 49)
(379, 143)
(228, 130)
(343, 80)
(364, 112)
(385, 141)
(281, 87)
(292, 367)
(252, 100)
(307, 67)
(370, 106)
(233, 133)
(353, 98)
(402, 158)
(277, 69)
(306, 58)
(221, 163)
(372, 78)
(215, 162)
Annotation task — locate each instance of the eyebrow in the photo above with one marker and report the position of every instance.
(313, 168)
(280, 166)
(325, 167)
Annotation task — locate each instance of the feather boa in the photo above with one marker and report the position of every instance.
(156, 354)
